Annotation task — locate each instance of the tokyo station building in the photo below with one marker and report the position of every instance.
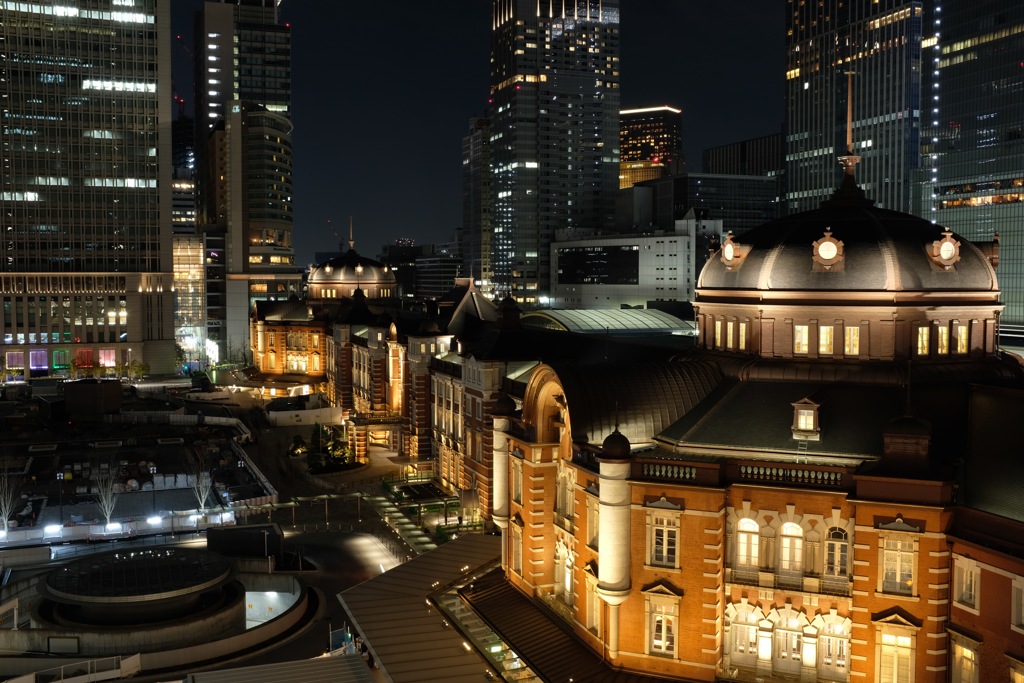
(829, 488)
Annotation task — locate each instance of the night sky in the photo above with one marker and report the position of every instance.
(382, 94)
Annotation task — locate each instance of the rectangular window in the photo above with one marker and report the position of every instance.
(517, 550)
(942, 339)
(923, 339)
(894, 659)
(37, 359)
(965, 661)
(1017, 603)
(825, 339)
(966, 576)
(718, 334)
(851, 341)
(593, 607)
(742, 340)
(961, 339)
(805, 420)
(898, 562)
(664, 534)
(15, 360)
(593, 521)
(663, 629)
(728, 334)
(800, 336)
(107, 358)
(517, 482)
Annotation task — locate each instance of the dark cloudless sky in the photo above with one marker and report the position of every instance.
(382, 93)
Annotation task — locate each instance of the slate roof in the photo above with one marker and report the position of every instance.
(883, 251)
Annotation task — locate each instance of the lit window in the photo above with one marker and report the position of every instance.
(898, 564)
(833, 652)
(718, 334)
(942, 339)
(895, 654)
(742, 341)
(747, 537)
(662, 625)
(922, 341)
(664, 537)
(728, 334)
(851, 341)
(800, 339)
(791, 551)
(965, 659)
(744, 638)
(804, 420)
(788, 649)
(825, 333)
(961, 339)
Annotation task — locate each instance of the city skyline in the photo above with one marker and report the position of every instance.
(343, 168)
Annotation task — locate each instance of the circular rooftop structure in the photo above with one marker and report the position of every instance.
(139, 575)
(140, 587)
(342, 275)
(849, 246)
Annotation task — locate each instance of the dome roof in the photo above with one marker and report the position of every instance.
(869, 249)
(615, 447)
(351, 269)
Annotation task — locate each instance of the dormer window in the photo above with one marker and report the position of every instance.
(828, 251)
(946, 251)
(733, 252)
(806, 420)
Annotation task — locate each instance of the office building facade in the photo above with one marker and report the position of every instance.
(244, 161)
(973, 147)
(554, 132)
(650, 144)
(756, 156)
(880, 42)
(475, 236)
(85, 276)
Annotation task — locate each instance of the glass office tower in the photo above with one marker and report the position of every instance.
(85, 203)
(973, 149)
(879, 41)
(554, 132)
(650, 144)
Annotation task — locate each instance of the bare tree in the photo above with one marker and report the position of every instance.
(105, 479)
(8, 490)
(199, 477)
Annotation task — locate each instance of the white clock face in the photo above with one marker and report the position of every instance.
(947, 250)
(728, 251)
(827, 250)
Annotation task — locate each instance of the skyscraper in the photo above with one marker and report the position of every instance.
(244, 158)
(651, 144)
(554, 132)
(880, 42)
(475, 236)
(973, 148)
(85, 207)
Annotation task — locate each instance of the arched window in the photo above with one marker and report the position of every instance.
(791, 549)
(747, 536)
(788, 638)
(837, 548)
(834, 652)
(744, 638)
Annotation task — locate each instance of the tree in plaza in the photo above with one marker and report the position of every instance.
(8, 490)
(105, 480)
(200, 478)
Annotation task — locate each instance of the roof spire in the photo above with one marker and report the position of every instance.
(849, 160)
(848, 193)
(351, 239)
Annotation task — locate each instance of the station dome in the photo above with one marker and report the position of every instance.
(343, 275)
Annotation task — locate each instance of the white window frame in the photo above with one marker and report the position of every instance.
(516, 554)
(662, 618)
(593, 521)
(791, 549)
(1017, 604)
(965, 659)
(834, 653)
(896, 647)
(663, 532)
(899, 551)
(517, 481)
(837, 552)
(787, 649)
(594, 603)
(748, 543)
(744, 634)
(966, 583)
